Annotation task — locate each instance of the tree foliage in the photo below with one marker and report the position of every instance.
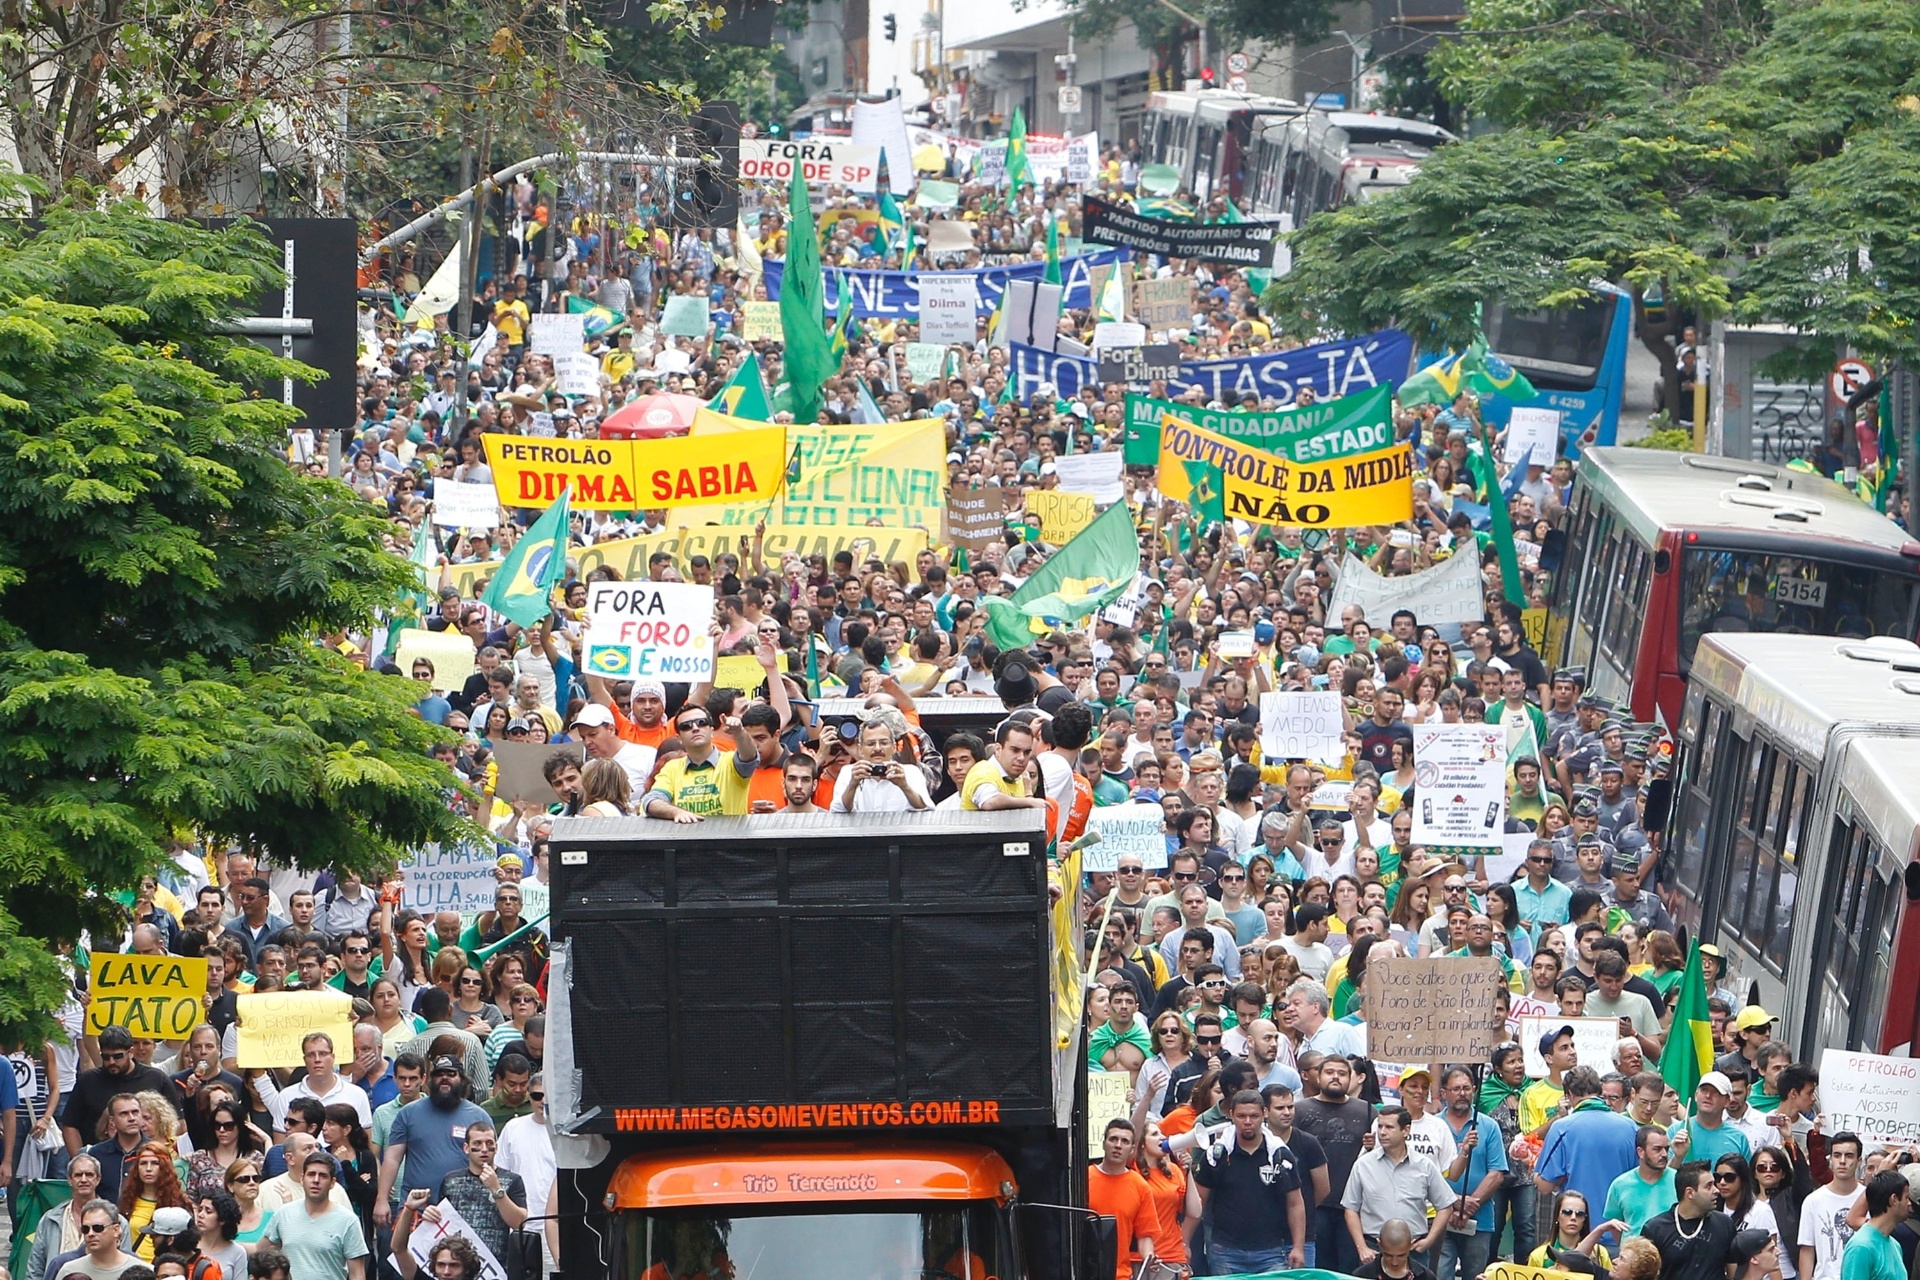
(1732, 157)
(164, 576)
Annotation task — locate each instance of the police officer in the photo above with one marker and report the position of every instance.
(1626, 895)
(1615, 807)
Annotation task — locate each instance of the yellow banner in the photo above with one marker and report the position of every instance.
(1061, 514)
(631, 475)
(153, 997)
(890, 473)
(1367, 489)
(271, 1026)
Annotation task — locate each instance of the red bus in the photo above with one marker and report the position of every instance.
(1663, 548)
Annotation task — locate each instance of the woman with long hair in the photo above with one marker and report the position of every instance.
(396, 1026)
(1282, 971)
(1669, 964)
(1277, 907)
(1173, 1050)
(1554, 819)
(605, 791)
(1356, 973)
(1259, 876)
(243, 1184)
(150, 1184)
(1574, 1232)
(1504, 910)
(1782, 1178)
(1167, 1188)
(522, 1003)
(507, 970)
(404, 944)
(234, 1137)
(1410, 911)
(470, 1003)
(1739, 1196)
(346, 1140)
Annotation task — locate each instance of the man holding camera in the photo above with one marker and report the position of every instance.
(876, 781)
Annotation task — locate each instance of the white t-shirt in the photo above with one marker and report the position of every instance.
(1315, 958)
(637, 760)
(1431, 1138)
(877, 795)
(1379, 835)
(1823, 1225)
(1317, 866)
(526, 1148)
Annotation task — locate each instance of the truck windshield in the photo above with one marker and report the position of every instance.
(1752, 591)
(902, 1242)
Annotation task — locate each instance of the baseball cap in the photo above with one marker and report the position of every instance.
(592, 714)
(1716, 1080)
(1752, 1018)
(170, 1221)
(1263, 633)
(443, 1063)
(1749, 1243)
(1414, 1072)
(1546, 1041)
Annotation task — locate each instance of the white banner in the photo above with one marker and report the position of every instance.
(949, 307)
(1094, 473)
(465, 506)
(1532, 435)
(882, 126)
(656, 629)
(454, 878)
(823, 162)
(554, 335)
(1051, 158)
(1875, 1096)
(428, 1234)
(575, 374)
(1122, 334)
(1460, 785)
(1296, 726)
(1448, 592)
(1126, 828)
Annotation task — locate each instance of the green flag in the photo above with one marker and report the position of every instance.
(1018, 170)
(809, 359)
(522, 590)
(909, 246)
(1052, 275)
(1093, 570)
(893, 227)
(1208, 498)
(1689, 1051)
(838, 343)
(1481, 459)
(745, 395)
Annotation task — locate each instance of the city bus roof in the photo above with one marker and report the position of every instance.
(775, 1174)
(1655, 490)
(1218, 104)
(1803, 687)
(1881, 776)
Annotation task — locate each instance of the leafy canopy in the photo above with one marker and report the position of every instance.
(163, 577)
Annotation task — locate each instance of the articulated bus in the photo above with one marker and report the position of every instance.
(1795, 830)
(1208, 135)
(1664, 548)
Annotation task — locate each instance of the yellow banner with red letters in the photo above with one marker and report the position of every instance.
(637, 475)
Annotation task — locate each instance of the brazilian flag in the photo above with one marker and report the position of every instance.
(1689, 1051)
(1208, 498)
(523, 588)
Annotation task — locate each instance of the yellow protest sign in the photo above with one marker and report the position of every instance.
(531, 471)
(1106, 1100)
(1514, 1271)
(1534, 623)
(1061, 514)
(742, 671)
(272, 1026)
(761, 321)
(627, 475)
(1367, 489)
(684, 469)
(450, 652)
(893, 474)
(154, 997)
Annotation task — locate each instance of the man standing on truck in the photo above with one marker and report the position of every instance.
(1116, 1190)
(1249, 1182)
(698, 785)
(1000, 781)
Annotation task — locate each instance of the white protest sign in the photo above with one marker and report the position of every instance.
(1593, 1042)
(1126, 828)
(449, 653)
(554, 334)
(1111, 334)
(1460, 785)
(576, 373)
(1448, 592)
(823, 162)
(883, 126)
(542, 424)
(924, 360)
(1097, 474)
(451, 878)
(465, 506)
(1083, 153)
(949, 305)
(656, 629)
(1330, 795)
(428, 1234)
(1872, 1095)
(1126, 609)
(1297, 726)
(1513, 854)
(1237, 644)
(1532, 435)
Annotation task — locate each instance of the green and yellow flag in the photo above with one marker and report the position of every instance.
(745, 395)
(1018, 170)
(523, 588)
(808, 362)
(1689, 1051)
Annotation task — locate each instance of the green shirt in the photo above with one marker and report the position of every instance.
(1710, 1144)
(1634, 1200)
(1871, 1256)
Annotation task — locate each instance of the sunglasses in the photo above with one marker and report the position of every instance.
(226, 1124)
(1213, 983)
(1571, 1212)
(95, 1228)
(1233, 879)
(359, 951)
(538, 1097)
(1726, 1176)
(1186, 875)
(246, 1177)
(696, 722)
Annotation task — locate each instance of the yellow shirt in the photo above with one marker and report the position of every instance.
(510, 319)
(988, 772)
(1539, 1103)
(709, 789)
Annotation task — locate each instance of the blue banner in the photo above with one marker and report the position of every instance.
(1332, 369)
(896, 294)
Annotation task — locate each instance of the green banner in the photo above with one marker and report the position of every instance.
(1359, 423)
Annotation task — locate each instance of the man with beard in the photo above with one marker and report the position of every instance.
(429, 1136)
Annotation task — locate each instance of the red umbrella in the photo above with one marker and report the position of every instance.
(653, 417)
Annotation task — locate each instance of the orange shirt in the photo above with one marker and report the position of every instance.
(1178, 1120)
(1168, 1186)
(632, 732)
(1126, 1198)
(1082, 806)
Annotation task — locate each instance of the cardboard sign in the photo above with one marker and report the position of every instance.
(522, 769)
(450, 878)
(1095, 474)
(427, 1234)
(1116, 336)
(924, 362)
(949, 305)
(1593, 1041)
(465, 506)
(1433, 1009)
(1875, 1096)
(1106, 1100)
(272, 1026)
(1460, 785)
(977, 518)
(554, 335)
(760, 322)
(1061, 514)
(1126, 609)
(743, 671)
(656, 629)
(1126, 828)
(153, 997)
(1164, 304)
(1331, 796)
(1301, 726)
(1533, 436)
(685, 315)
(451, 653)
(822, 162)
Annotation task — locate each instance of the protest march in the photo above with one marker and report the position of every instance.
(1001, 494)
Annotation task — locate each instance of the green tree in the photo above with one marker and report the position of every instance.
(1728, 156)
(165, 579)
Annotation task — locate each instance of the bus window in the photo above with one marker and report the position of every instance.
(1626, 603)
(1884, 901)
(1749, 819)
(1763, 919)
(1696, 809)
(1749, 591)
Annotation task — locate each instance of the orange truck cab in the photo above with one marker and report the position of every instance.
(757, 1065)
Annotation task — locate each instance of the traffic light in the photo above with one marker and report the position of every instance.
(709, 196)
(892, 26)
(774, 128)
(1206, 76)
